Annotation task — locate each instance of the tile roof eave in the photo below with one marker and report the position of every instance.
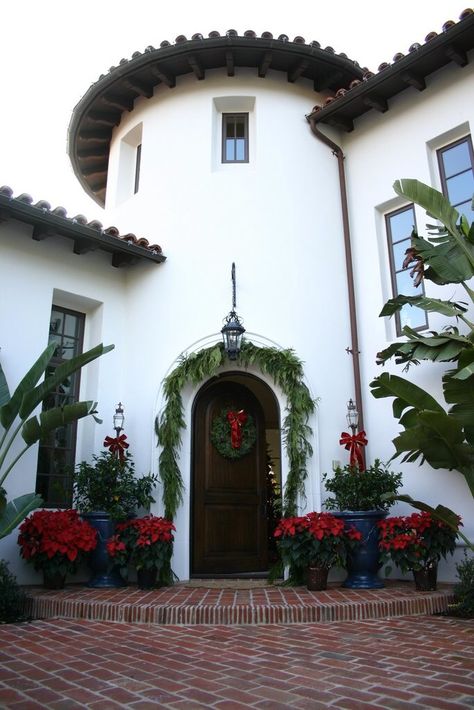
(124, 250)
(378, 89)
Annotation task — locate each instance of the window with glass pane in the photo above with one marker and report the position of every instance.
(400, 225)
(456, 163)
(235, 143)
(57, 449)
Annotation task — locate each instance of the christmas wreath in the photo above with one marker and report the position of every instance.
(233, 433)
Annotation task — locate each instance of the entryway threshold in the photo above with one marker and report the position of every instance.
(219, 604)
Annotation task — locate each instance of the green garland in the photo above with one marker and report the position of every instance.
(221, 436)
(287, 372)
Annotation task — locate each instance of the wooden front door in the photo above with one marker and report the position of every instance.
(229, 527)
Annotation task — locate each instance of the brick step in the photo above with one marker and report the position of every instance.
(184, 604)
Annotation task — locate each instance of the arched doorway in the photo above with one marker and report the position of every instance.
(234, 501)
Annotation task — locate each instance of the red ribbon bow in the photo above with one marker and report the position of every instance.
(236, 421)
(117, 445)
(354, 443)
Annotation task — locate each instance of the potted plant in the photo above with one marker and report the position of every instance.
(311, 544)
(416, 543)
(146, 543)
(56, 542)
(360, 497)
(108, 492)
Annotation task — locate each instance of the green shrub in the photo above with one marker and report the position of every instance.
(361, 490)
(12, 598)
(464, 589)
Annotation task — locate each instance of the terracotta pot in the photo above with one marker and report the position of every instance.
(426, 578)
(53, 580)
(317, 578)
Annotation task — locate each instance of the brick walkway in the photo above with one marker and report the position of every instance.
(409, 662)
(182, 604)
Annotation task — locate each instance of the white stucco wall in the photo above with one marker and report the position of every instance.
(34, 275)
(402, 143)
(276, 217)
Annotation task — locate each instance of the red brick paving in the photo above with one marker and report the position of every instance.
(408, 662)
(185, 605)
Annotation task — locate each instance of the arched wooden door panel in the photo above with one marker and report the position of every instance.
(229, 526)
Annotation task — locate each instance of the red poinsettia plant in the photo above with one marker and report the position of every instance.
(142, 542)
(56, 541)
(316, 539)
(415, 542)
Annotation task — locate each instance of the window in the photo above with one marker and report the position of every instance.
(57, 450)
(400, 224)
(138, 158)
(235, 142)
(456, 163)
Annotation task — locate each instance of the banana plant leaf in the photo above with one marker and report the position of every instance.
(32, 398)
(431, 305)
(16, 511)
(452, 255)
(33, 429)
(10, 408)
(406, 394)
(4, 391)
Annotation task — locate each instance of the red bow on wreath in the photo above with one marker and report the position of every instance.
(354, 443)
(236, 421)
(117, 445)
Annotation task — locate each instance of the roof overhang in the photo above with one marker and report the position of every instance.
(86, 237)
(101, 108)
(375, 92)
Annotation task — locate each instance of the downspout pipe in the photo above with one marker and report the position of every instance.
(354, 349)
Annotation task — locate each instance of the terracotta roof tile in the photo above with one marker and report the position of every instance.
(56, 220)
(342, 94)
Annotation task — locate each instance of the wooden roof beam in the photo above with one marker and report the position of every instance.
(327, 81)
(104, 118)
(196, 67)
(414, 80)
(264, 65)
(297, 71)
(343, 124)
(99, 169)
(169, 81)
(229, 60)
(457, 55)
(95, 135)
(120, 259)
(376, 102)
(96, 152)
(83, 246)
(117, 103)
(138, 87)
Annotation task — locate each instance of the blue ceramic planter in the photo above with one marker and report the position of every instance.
(104, 574)
(363, 563)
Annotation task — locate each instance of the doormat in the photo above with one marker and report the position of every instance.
(227, 583)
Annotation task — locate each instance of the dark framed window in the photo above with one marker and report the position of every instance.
(235, 138)
(456, 167)
(138, 160)
(56, 454)
(399, 225)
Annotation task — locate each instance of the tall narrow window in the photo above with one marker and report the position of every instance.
(456, 163)
(235, 142)
(138, 159)
(57, 450)
(400, 225)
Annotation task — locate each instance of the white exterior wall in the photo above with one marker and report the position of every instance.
(34, 275)
(402, 143)
(277, 217)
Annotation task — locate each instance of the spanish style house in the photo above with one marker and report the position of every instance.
(273, 154)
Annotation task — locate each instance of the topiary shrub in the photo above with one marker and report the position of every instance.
(12, 597)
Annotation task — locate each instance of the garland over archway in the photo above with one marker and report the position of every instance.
(287, 372)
